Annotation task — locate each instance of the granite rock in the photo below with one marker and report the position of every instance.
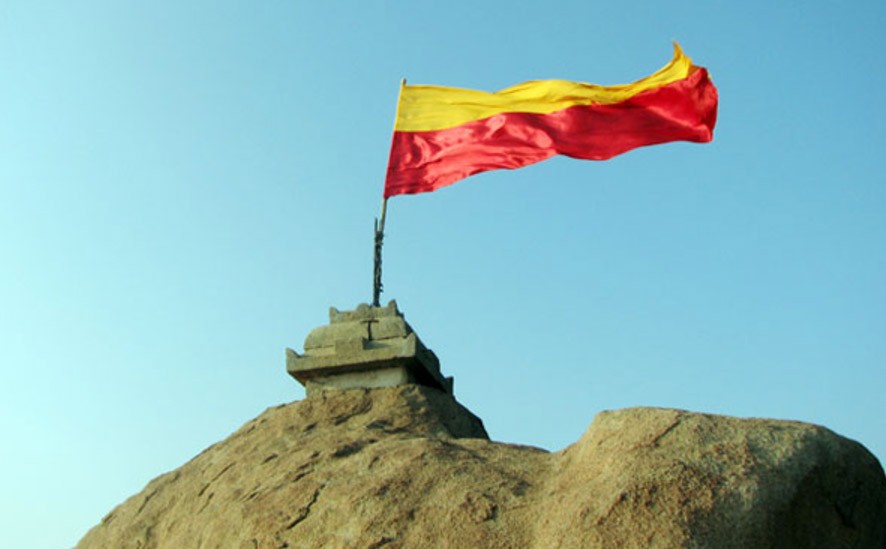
(409, 467)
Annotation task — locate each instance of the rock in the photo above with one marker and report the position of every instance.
(408, 467)
(646, 477)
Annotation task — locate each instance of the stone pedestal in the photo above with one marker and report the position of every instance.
(367, 347)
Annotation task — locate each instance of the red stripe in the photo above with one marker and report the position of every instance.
(685, 110)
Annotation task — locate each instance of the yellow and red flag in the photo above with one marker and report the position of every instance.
(443, 135)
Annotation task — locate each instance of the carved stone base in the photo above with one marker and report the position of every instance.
(368, 347)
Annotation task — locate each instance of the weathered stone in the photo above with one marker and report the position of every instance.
(329, 336)
(385, 467)
(357, 344)
(364, 312)
(371, 379)
(386, 328)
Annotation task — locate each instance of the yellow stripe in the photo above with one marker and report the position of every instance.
(430, 108)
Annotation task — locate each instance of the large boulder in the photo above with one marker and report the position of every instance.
(409, 467)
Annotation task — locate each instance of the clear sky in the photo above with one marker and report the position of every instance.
(186, 187)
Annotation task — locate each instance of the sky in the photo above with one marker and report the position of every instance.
(187, 187)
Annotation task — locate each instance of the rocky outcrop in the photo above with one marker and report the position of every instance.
(408, 467)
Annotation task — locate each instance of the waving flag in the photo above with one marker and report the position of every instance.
(443, 135)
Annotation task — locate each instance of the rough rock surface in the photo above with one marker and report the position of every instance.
(397, 467)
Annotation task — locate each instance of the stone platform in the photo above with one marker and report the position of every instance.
(368, 347)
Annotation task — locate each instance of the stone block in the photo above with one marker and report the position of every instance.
(328, 336)
(386, 328)
(367, 347)
(369, 379)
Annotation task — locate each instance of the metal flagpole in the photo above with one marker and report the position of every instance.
(380, 225)
(379, 238)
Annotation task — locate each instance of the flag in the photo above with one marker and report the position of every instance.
(443, 135)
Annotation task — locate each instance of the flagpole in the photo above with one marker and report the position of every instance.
(379, 238)
(380, 224)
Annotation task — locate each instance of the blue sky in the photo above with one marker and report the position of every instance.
(186, 187)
